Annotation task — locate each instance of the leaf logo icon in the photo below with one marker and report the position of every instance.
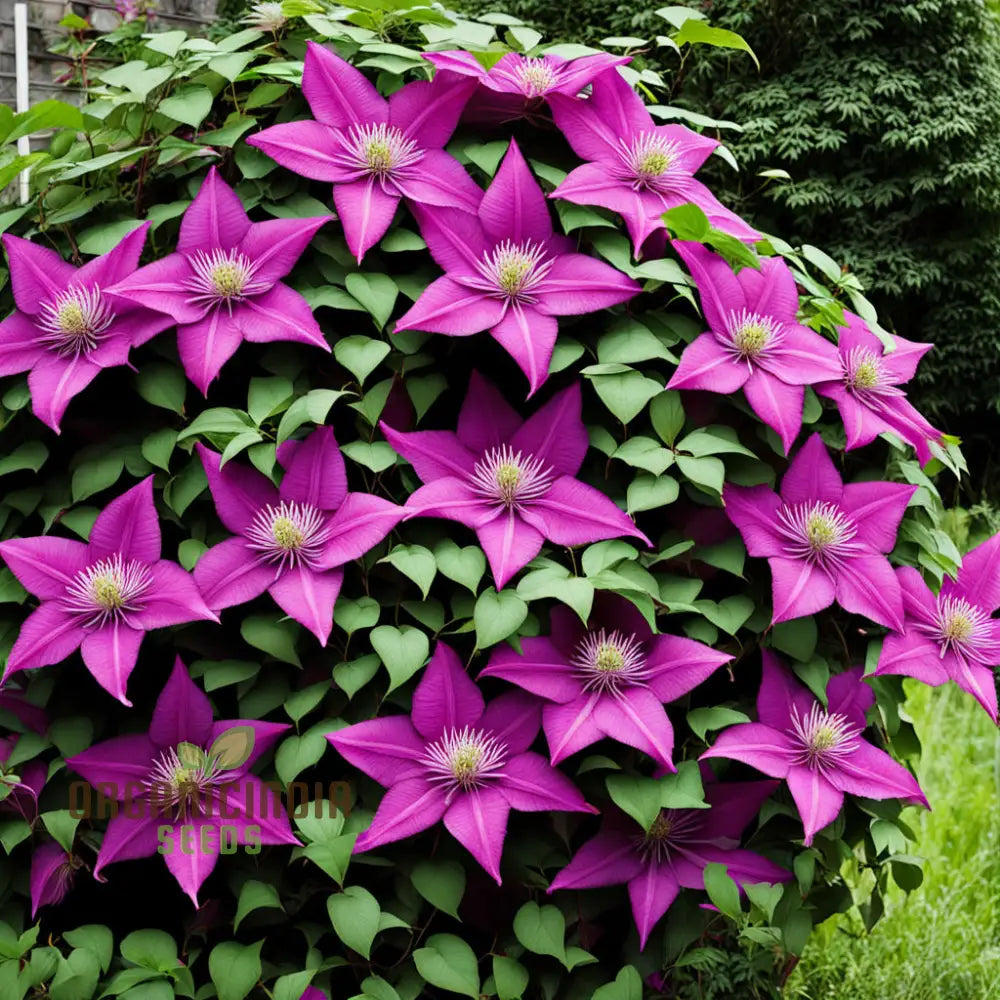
(232, 748)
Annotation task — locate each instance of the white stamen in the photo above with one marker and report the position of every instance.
(513, 271)
(610, 662)
(672, 828)
(75, 321)
(825, 739)
(535, 75)
(463, 759)
(964, 629)
(865, 375)
(222, 277)
(188, 788)
(650, 162)
(752, 336)
(109, 590)
(291, 534)
(820, 533)
(504, 477)
(379, 150)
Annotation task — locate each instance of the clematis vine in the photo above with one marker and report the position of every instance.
(293, 540)
(374, 151)
(816, 748)
(509, 273)
(635, 167)
(951, 635)
(824, 541)
(754, 342)
(511, 480)
(517, 85)
(867, 392)
(67, 325)
(186, 784)
(609, 679)
(222, 286)
(456, 759)
(101, 597)
(672, 854)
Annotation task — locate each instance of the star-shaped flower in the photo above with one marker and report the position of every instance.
(823, 540)
(816, 748)
(509, 273)
(291, 541)
(223, 285)
(373, 150)
(67, 326)
(637, 168)
(511, 480)
(456, 759)
(101, 597)
(951, 635)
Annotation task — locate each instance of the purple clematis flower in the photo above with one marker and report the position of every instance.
(182, 775)
(373, 150)
(223, 285)
(608, 679)
(824, 541)
(456, 759)
(867, 390)
(511, 480)
(101, 596)
(672, 854)
(53, 870)
(637, 168)
(509, 273)
(817, 749)
(291, 541)
(951, 636)
(67, 326)
(516, 85)
(754, 342)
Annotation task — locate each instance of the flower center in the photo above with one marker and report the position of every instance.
(825, 739)
(817, 532)
(964, 629)
(650, 160)
(865, 374)
(380, 149)
(513, 271)
(536, 75)
(110, 590)
(74, 321)
(187, 786)
(504, 477)
(464, 759)
(291, 534)
(609, 661)
(751, 335)
(222, 277)
(670, 828)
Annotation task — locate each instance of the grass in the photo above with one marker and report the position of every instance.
(943, 941)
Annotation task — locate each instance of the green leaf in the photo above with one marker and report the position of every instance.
(626, 393)
(354, 914)
(96, 474)
(797, 637)
(157, 447)
(701, 720)
(511, 978)
(268, 397)
(708, 472)
(722, 890)
(497, 616)
(62, 826)
(376, 292)
(116, 159)
(313, 407)
(630, 341)
(463, 565)
(218, 420)
(541, 929)
(360, 355)
(76, 978)
(375, 455)
(273, 636)
(423, 390)
(697, 32)
(683, 790)
(648, 492)
(637, 796)
(162, 385)
(297, 753)
(235, 969)
(450, 964)
(30, 455)
(43, 116)
(351, 615)
(573, 591)
(101, 239)
(152, 949)
(255, 896)
(687, 222)
(190, 105)
(95, 938)
(403, 650)
(643, 452)
(416, 562)
(353, 676)
(441, 883)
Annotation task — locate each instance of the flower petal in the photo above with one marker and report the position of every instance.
(128, 525)
(514, 719)
(754, 511)
(811, 475)
(338, 94)
(540, 668)
(720, 290)
(608, 858)
(182, 713)
(867, 586)
(439, 179)
(514, 207)
(529, 337)
(573, 513)
(36, 273)
(19, 347)
(54, 381)
(274, 247)
(555, 434)
(799, 588)
(873, 774)
(778, 404)
(361, 522)
(486, 418)
(530, 784)
(120, 765)
(571, 727)
(447, 307)
(452, 499)
(433, 454)
(174, 599)
(315, 472)
(446, 697)
(706, 364)
(979, 576)
(161, 286)
(365, 209)
(762, 747)
(216, 217)
(877, 509)
(48, 635)
(651, 893)
(675, 666)
(308, 597)
(387, 749)
(428, 111)
(192, 861)
(477, 819)
(577, 283)
(638, 719)
(780, 697)
(229, 574)
(45, 566)
(126, 839)
(279, 314)
(307, 148)
(206, 345)
(509, 543)
(407, 808)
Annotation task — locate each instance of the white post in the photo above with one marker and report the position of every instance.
(21, 72)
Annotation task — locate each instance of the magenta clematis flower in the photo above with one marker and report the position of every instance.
(951, 636)
(375, 151)
(672, 854)
(509, 273)
(517, 86)
(185, 786)
(867, 390)
(824, 541)
(223, 285)
(456, 759)
(754, 342)
(67, 326)
(608, 679)
(817, 749)
(53, 870)
(511, 480)
(637, 168)
(101, 596)
(291, 541)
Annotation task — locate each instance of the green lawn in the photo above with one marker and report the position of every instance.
(943, 941)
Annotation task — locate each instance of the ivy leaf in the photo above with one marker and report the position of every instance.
(376, 292)
(255, 895)
(721, 889)
(511, 978)
(627, 986)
